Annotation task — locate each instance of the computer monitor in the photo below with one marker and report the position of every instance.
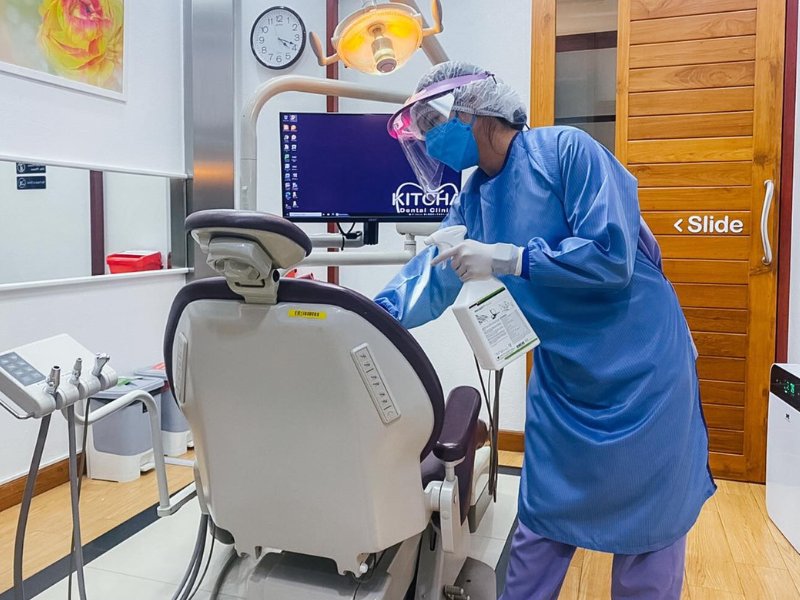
(346, 167)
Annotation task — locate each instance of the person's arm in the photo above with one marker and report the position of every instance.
(602, 209)
(420, 292)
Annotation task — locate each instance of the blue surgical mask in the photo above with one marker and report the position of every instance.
(453, 143)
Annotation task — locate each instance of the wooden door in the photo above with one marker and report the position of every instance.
(699, 94)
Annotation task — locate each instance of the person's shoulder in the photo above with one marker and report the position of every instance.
(556, 139)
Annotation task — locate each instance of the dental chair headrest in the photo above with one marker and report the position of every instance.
(248, 248)
(284, 242)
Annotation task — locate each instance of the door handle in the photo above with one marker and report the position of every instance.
(769, 194)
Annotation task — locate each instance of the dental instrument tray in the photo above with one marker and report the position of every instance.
(31, 381)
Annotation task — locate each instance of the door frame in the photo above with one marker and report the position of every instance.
(787, 182)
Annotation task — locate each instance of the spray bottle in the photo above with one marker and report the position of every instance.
(491, 320)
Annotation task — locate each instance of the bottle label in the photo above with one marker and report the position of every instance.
(504, 327)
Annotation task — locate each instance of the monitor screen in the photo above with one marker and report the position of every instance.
(346, 167)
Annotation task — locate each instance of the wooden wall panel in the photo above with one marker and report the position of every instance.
(712, 296)
(694, 27)
(654, 9)
(706, 246)
(694, 198)
(730, 345)
(690, 101)
(719, 416)
(693, 52)
(691, 77)
(722, 392)
(721, 369)
(693, 174)
(687, 126)
(696, 150)
(714, 319)
(731, 442)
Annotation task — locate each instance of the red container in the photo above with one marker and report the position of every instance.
(134, 261)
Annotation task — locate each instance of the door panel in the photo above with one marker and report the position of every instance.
(721, 393)
(679, 102)
(711, 319)
(682, 77)
(693, 174)
(696, 198)
(706, 271)
(654, 9)
(685, 246)
(712, 296)
(689, 126)
(694, 27)
(697, 117)
(694, 52)
(698, 123)
(721, 369)
(678, 150)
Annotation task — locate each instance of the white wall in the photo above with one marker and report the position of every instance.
(465, 38)
(124, 318)
(44, 234)
(252, 74)
(55, 124)
(52, 124)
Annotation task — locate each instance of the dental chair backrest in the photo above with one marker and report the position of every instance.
(310, 407)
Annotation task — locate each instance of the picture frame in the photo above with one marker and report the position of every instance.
(55, 79)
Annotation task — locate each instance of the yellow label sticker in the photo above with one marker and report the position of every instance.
(307, 314)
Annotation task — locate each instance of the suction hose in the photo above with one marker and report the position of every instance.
(25, 508)
(190, 576)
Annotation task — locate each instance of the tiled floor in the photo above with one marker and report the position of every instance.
(150, 564)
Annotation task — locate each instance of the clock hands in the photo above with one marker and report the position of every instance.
(287, 43)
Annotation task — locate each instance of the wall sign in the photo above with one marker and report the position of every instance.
(28, 168)
(709, 224)
(32, 182)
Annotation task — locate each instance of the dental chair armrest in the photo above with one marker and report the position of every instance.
(460, 420)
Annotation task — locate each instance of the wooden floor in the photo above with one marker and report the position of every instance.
(104, 505)
(734, 551)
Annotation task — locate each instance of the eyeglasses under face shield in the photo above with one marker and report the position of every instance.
(422, 112)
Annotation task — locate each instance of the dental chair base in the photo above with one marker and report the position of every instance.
(298, 577)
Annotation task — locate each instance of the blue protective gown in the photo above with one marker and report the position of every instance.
(616, 447)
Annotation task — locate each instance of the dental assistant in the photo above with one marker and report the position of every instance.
(616, 448)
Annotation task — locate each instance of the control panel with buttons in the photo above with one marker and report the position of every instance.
(18, 368)
(375, 384)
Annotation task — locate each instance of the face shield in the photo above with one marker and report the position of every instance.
(425, 110)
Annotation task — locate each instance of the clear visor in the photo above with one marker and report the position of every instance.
(411, 125)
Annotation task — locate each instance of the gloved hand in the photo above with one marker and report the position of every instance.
(475, 260)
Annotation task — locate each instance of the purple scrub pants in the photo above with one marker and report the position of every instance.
(537, 567)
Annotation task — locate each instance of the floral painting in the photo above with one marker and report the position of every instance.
(77, 43)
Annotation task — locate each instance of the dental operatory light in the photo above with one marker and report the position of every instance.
(380, 37)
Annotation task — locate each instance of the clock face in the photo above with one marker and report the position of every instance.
(278, 37)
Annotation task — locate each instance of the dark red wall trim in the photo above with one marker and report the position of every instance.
(332, 72)
(586, 41)
(97, 222)
(787, 183)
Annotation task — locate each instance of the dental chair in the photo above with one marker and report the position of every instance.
(324, 445)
